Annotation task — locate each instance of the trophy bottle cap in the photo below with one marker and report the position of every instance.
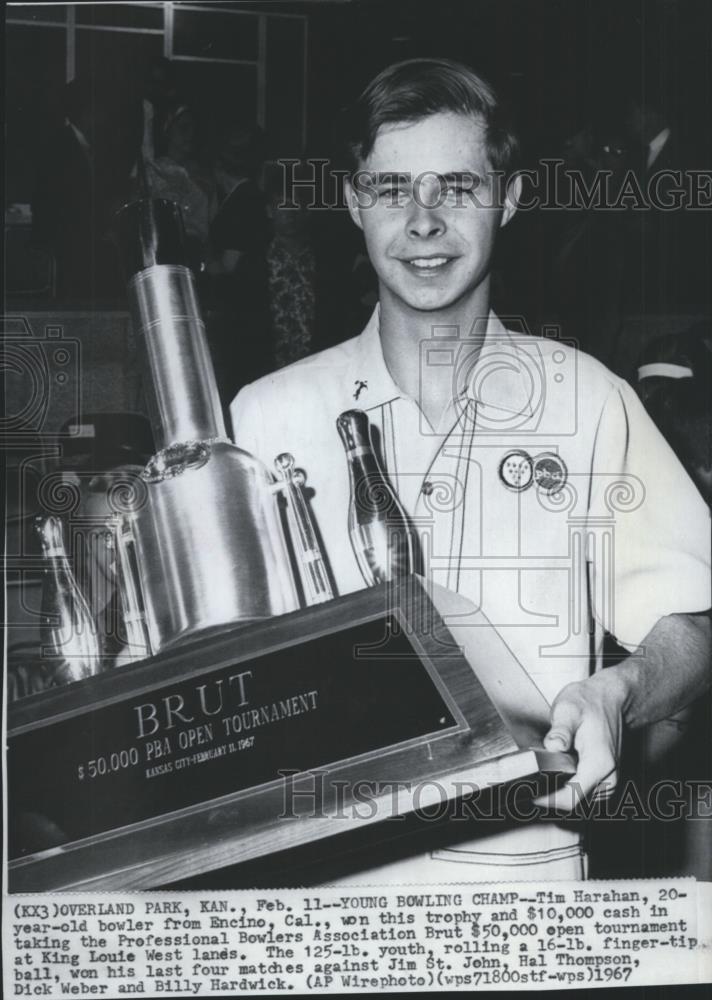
(353, 426)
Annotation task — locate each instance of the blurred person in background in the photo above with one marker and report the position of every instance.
(666, 242)
(160, 93)
(235, 282)
(83, 177)
(588, 262)
(291, 273)
(176, 174)
(674, 379)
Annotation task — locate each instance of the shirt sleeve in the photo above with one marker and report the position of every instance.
(649, 528)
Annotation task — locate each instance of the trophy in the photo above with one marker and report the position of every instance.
(212, 544)
(261, 707)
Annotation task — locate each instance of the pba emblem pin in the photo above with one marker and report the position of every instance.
(550, 472)
(516, 470)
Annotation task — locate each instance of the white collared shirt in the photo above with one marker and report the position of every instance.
(616, 539)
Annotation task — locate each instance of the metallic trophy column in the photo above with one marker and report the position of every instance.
(210, 547)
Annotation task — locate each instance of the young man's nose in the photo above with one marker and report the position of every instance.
(424, 222)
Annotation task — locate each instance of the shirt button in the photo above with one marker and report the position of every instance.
(427, 488)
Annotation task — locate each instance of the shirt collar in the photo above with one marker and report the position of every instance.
(373, 384)
(502, 378)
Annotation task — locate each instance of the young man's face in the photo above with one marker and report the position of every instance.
(430, 234)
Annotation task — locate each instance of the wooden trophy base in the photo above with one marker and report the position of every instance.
(312, 727)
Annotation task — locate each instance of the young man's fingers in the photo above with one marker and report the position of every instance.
(565, 719)
(597, 766)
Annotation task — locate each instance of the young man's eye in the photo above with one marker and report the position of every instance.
(460, 188)
(393, 195)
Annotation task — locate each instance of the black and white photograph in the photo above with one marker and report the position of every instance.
(357, 364)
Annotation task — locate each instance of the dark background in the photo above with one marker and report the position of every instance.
(558, 62)
(554, 58)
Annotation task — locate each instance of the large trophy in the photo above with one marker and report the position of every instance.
(210, 546)
(256, 715)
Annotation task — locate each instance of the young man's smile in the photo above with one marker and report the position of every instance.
(429, 266)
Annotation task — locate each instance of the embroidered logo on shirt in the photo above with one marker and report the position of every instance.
(550, 472)
(360, 386)
(516, 470)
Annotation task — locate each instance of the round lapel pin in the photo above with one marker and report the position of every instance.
(550, 472)
(516, 470)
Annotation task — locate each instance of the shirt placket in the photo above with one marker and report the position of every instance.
(441, 508)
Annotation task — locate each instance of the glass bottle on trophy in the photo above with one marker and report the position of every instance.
(68, 632)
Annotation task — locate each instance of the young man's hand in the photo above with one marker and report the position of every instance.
(587, 717)
(668, 671)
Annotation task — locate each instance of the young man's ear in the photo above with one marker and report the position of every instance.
(352, 202)
(512, 195)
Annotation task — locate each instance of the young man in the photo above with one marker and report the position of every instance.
(549, 498)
